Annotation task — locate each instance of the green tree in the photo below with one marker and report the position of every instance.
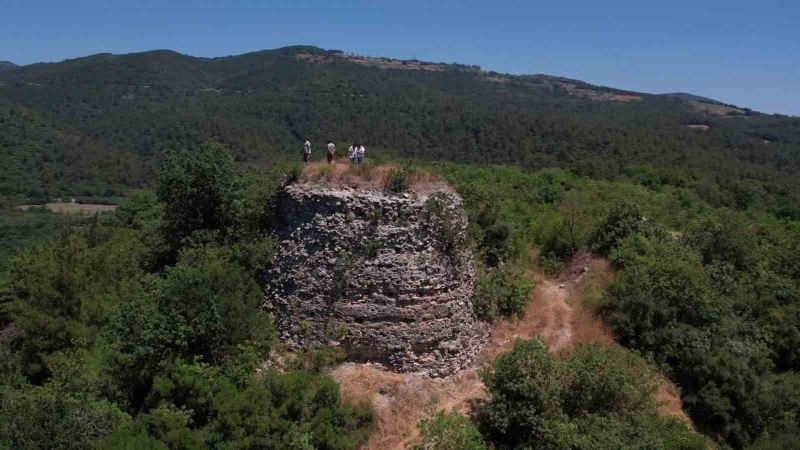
(65, 412)
(195, 406)
(501, 292)
(624, 219)
(207, 306)
(662, 298)
(200, 191)
(61, 292)
(599, 397)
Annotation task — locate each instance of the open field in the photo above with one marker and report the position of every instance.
(71, 208)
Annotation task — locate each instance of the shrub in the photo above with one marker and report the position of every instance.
(526, 388)
(725, 238)
(341, 274)
(318, 358)
(500, 292)
(449, 432)
(442, 216)
(39, 417)
(260, 198)
(66, 412)
(497, 242)
(660, 292)
(398, 180)
(599, 397)
(629, 249)
(624, 219)
(200, 408)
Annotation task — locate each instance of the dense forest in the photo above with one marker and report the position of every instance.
(95, 126)
(706, 292)
(143, 328)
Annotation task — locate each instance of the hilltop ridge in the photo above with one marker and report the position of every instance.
(97, 126)
(217, 68)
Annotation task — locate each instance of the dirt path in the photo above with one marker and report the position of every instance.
(554, 313)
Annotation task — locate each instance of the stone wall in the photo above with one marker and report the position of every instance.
(385, 276)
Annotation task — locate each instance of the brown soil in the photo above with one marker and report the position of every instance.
(716, 109)
(554, 313)
(597, 95)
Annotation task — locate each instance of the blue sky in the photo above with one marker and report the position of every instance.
(742, 52)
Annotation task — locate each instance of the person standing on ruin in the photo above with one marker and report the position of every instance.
(360, 152)
(306, 151)
(351, 153)
(331, 152)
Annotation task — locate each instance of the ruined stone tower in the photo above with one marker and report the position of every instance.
(385, 276)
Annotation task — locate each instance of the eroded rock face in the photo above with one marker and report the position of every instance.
(385, 276)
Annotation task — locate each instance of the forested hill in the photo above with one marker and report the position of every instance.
(7, 65)
(96, 126)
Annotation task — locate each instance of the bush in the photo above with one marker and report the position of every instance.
(260, 198)
(629, 249)
(497, 242)
(449, 432)
(442, 216)
(66, 412)
(398, 180)
(39, 417)
(200, 408)
(725, 238)
(500, 292)
(139, 210)
(624, 219)
(599, 397)
(664, 291)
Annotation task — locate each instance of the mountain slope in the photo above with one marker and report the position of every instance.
(263, 104)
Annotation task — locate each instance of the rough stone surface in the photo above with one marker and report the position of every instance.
(376, 274)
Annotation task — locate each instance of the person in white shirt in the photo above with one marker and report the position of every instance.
(306, 151)
(360, 153)
(351, 153)
(331, 152)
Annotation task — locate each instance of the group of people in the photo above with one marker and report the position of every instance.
(355, 153)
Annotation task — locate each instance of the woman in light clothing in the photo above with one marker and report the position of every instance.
(306, 151)
(360, 153)
(351, 153)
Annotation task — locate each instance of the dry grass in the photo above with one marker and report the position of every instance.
(598, 95)
(716, 109)
(400, 401)
(369, 176)
(72, 208)
(589, 290)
